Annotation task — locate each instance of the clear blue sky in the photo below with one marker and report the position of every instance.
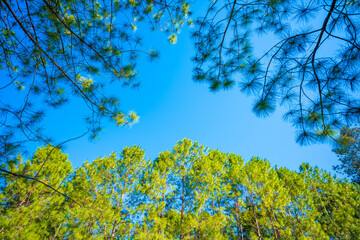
(172, 107)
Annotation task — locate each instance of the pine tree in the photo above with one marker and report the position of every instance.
(109, 190)
(310, 68)
(348, 151)
(30, 209)
(54, 51)
(190, 192)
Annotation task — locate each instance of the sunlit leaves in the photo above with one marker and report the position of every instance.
(64, 50)
(173, 38)
(190, 192)
(119, 119)
(86, 83)
(149, 8)
(185, 7)
(19, 86)
(24, 202)
(134, 118)
(133, 27)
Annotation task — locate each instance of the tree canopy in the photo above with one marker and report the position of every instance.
(53, 51)
(311, 69)
(348, 151)
(190, 192)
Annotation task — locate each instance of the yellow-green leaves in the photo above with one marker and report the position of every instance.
(29, 209)
(86, 83)
(185, 7)
(66, 49)
(133, 26)
(133, 3)
(189, 192)
(173, 38)
(120, 119)
(134, 118)
(149, 8)
(18, 85)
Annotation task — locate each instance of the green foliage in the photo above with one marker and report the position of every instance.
(318, 87)
(59, 50)
(109, 189)
(348, 151)
(173, 38)
(31, 210)
(190, 192)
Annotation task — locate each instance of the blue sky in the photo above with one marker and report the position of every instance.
(172, 107)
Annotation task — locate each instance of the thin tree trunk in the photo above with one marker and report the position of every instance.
(182, 207)
(112, 234)
(238, 220)
(272, 225)
(256, 221)
(57, 231)
(327, 213)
